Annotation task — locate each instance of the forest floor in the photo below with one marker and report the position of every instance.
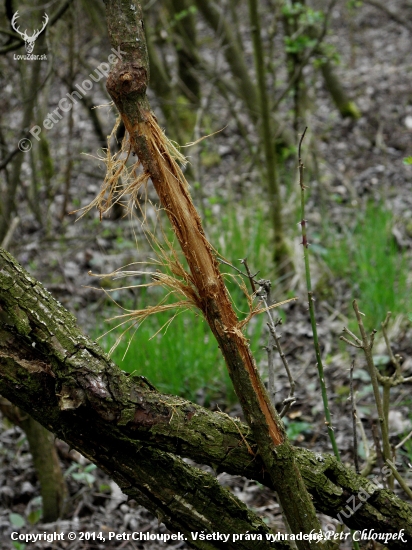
(357, 162)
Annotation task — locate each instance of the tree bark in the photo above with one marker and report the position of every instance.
(67, 383)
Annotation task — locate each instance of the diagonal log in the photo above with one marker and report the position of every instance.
(67, 383)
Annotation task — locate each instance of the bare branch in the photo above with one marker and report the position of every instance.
(354, 418)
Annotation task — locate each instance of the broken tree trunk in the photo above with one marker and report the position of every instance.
(67, 383)
(127, 85)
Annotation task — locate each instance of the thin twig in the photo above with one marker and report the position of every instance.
(264, 294)
(394, 359)
(376, 440)
(400, 19)
(400, 479)
(357, 340)
(349, 342)
(9, 158)
(354, 418)
(306, 59)
(367, 344)
(9, 235)
(246, 275)
(382, 404)
(404, 440)
(250, 276)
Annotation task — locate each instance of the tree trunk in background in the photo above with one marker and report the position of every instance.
(294, 61)
(45, 459)
(256, 101)
(185, 24)
(343, 102)
(30, 89)
(281, 253)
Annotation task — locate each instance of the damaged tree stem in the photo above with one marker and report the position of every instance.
(127, 84)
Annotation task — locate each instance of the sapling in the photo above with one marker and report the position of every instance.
(382, 404)
(319, 363)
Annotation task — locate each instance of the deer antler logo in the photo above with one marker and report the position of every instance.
(29, 40)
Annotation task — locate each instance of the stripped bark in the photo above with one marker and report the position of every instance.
(127, 84)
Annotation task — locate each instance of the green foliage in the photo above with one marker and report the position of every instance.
(354, 4)
(35, 516)
(368, 257)
(298, 44)
(242, 233)
(191, 10)
(81, 474)
(180, 359)
(407, 161)
(295, 429)
(17, 520)
(304, 17)
(329, 53)
(35, 510)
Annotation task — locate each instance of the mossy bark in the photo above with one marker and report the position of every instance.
(67, 383)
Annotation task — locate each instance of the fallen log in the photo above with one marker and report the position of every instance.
(50, 369)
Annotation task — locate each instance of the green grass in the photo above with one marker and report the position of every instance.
(243, 233)
(368, 258)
